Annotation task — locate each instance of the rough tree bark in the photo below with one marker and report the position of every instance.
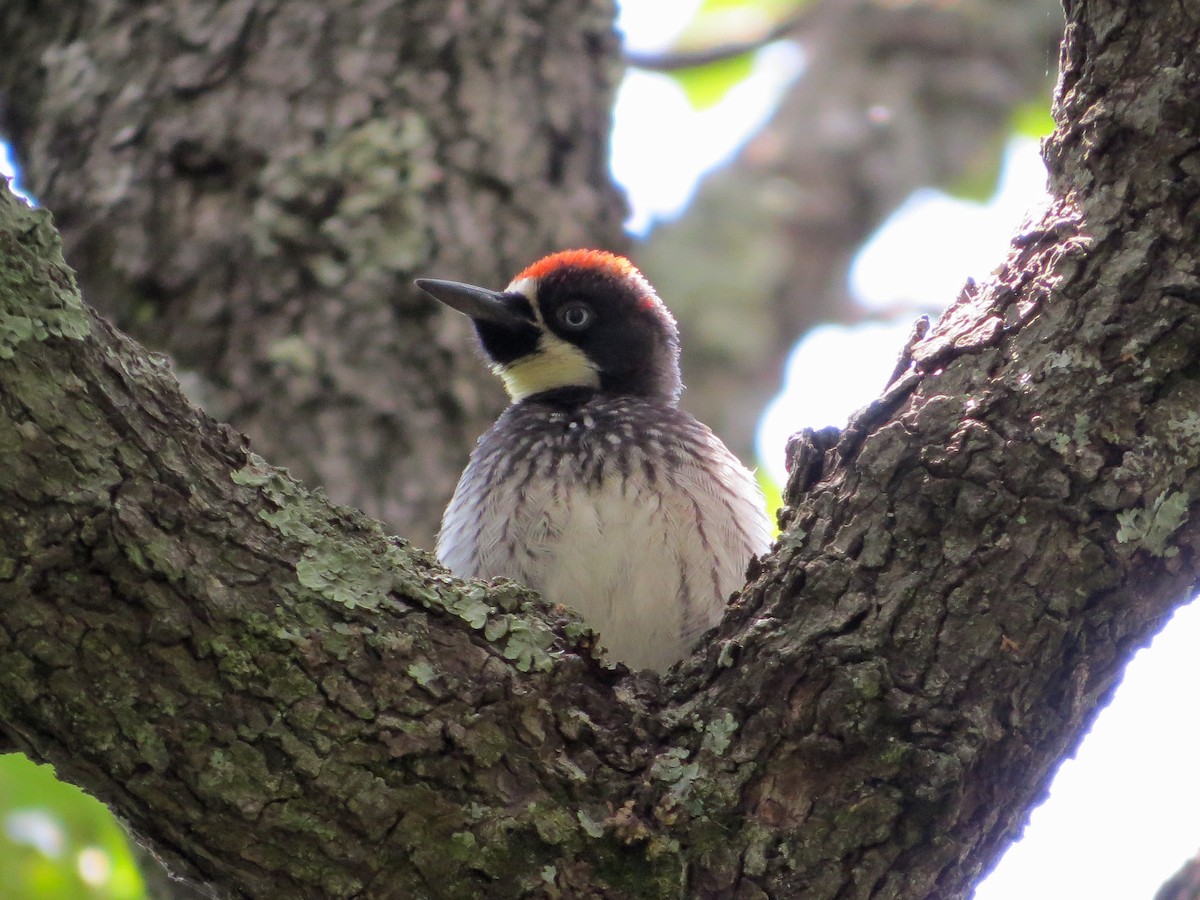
(252, 186)
(1184, 884)
(894, 97)
(289, 703)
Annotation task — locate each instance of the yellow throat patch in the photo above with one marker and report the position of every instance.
(556, 363)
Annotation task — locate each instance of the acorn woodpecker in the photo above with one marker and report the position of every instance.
(593, 487)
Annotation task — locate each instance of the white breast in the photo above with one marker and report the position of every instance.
(646, 552)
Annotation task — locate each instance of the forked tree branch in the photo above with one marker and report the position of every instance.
(286, 702)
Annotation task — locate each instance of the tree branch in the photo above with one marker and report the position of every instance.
(252, 187)
(1184, 884)
(893, 97)
(286, 701)
(674, 60)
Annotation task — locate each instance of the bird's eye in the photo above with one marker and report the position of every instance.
(576, 315)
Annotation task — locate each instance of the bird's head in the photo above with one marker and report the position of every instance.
(580, 318)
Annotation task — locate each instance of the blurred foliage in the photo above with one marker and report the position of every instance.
(981, 179)
(721, 23)
(774, 9)
(1033, 120)
(708, 84)
(773, 494)
(56, 842)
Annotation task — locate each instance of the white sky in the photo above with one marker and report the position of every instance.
(1125, 813)
(659, 186)
(7, 169)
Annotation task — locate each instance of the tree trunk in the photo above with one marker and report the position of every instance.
(286, 702)
(1184, 884)
(894, 97)
(251, 187)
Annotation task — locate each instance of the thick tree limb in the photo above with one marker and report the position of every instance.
(893, 97)
(291, 703)
(1184, 884)
(221, 638)
(251, 187)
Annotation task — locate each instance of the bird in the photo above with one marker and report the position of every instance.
(593, 487)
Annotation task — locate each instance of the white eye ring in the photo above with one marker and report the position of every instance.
(576, 315)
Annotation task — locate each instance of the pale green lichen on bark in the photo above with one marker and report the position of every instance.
(1184, 432)
(672, 769)
(39, 298)
(364, 574)
(295, 352)
(1150, 528)
(718, 733)
(421, 672)
(591, 827)
(350, 573)
(376, 172)
(528, 643)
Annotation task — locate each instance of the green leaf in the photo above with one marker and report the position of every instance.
(772, 8)
(774, 497)
(982, 175)
(707, 85)
(721, 24)
(56, 843)
(1033, 120)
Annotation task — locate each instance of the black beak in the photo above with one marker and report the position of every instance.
(482, 305)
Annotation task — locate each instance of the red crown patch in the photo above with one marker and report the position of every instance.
(582, 259)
